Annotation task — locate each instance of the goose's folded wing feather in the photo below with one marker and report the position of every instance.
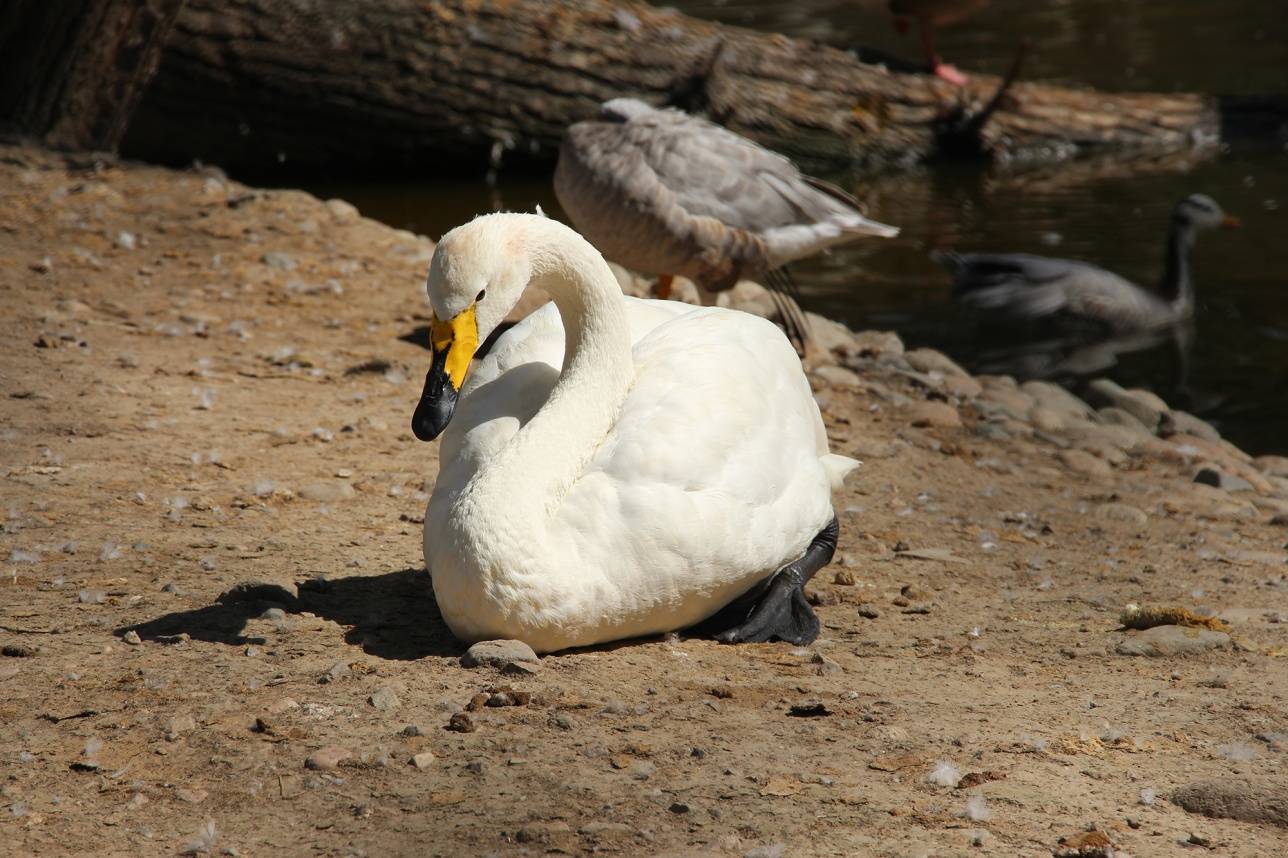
(669, 158)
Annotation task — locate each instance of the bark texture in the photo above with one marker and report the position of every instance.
(73, 71)
(385, 83)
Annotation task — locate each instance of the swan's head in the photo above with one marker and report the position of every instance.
(1200, 210)
(476, 276)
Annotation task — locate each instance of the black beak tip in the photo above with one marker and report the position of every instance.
(432, 415)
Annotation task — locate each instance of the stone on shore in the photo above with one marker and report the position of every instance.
(1244, 800)
(498, 653)
(1162, 641)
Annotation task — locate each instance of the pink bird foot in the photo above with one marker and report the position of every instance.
(950, 74)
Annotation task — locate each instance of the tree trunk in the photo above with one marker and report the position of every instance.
(370, 84)
(72, 71)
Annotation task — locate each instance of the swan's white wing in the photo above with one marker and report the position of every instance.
(712, 478)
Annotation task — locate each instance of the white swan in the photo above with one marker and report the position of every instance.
(676, 463)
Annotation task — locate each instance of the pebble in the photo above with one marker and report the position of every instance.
(838, 376)
(423, 760)
(327, 758)
(1084, 463)
(279, 260)
(826, 665)
(132, 638)
(1113, 416)
(878, 344)
(941, 414)
(498, 653)
(411, 731)
(1125, 513)
(1056, 398)
(1243, 800)
(1210, 475)
(461, 723)
(385, 699)
(1184, 423)
(868, 612)
(342, 210)
(1172, 641)
(327, 492)
(1085, 844)
(929, 360)
(1145, 406)
(1275, 466)
(177, 725)
(1047, 419)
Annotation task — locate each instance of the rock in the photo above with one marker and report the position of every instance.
(327, 491)
(1210, 475)
(385, 699)
(882, 345)
(1084, 463)
(498, 653)
(132, 638)
(1125, 513)
(1056, 398)
(280, 261)
(1242, 800)
(750, 297)
(825, 665)
(342, 211)
(838, 376)
(327, 758)
(868, 612)
(177, 725)
(1085, 844)
(461, 723)
(830, 335)
(522, 668)
(1275, 466)
(928, 413)
(1172, 641)
(1184, 423)
(1113, 416)
(1145, 406)
(1047, 419)
(1000, 394)
(423, 760)
(962, 386)
(929, 360)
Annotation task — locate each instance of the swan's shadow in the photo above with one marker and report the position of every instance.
(392, 616)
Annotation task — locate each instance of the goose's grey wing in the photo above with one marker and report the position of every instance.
(1031, 287)
(715, 173)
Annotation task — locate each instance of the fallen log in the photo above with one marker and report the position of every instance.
(72, 72)
(261, 84)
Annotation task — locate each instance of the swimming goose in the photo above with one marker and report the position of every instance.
(614, 467)
(930, 14)
(666, 193)
(1019, 287)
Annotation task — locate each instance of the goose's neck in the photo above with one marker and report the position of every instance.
(521, 488)
(1177, 287)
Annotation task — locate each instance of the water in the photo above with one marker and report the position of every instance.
(1109, 211)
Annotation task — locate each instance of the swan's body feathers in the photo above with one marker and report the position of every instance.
(715, 473)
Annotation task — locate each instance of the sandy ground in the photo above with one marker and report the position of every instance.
(211, 571)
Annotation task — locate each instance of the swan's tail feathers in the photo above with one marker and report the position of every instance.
(838, 467)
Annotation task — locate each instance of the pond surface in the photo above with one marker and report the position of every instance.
(1110, 212)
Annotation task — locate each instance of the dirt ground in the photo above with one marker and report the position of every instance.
(211, 572)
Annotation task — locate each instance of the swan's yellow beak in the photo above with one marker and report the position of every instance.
(453, 343)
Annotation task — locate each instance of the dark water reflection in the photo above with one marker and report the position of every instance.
(1107, 211)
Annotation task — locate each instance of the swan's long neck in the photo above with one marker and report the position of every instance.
(518, 491)
(1177, 286)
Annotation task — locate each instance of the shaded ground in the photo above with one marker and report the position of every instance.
(205, 386)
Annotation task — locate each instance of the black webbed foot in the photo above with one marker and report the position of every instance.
(781, 612)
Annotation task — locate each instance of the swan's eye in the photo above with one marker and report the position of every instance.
(479, 296)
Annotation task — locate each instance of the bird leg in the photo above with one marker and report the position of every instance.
(937, 66)
(785, 294)
(781, 611)
(662, 289)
